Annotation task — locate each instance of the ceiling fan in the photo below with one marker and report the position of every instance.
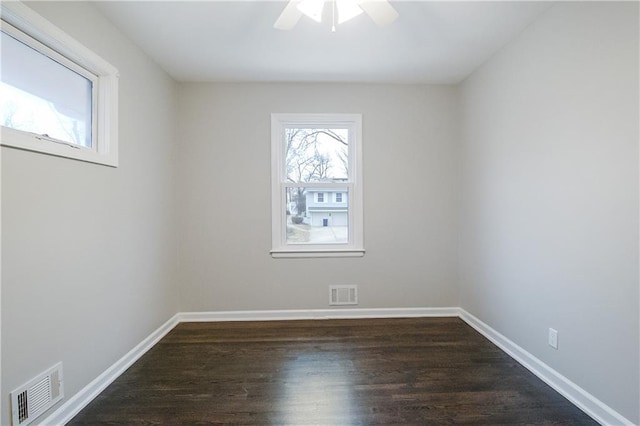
(380, 11)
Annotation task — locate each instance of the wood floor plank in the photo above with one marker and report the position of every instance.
(340, 372)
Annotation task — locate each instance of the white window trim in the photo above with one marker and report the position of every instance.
(324, 199)
(105, 131)
(355, 246)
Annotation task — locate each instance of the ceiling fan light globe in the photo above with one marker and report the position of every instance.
(347, 9)
(312, 9)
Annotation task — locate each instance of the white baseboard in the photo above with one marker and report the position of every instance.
(316, 314)
(582, 399)
(578, 396)
(81, 399)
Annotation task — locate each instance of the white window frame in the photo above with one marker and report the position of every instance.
(355, 245)
(318, 201)
(335, 197)
(35, 31)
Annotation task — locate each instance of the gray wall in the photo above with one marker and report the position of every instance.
(549, 178)
(537, 198)
(409, 135)
(88, 250)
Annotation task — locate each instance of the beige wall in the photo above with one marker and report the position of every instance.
(88, 250)
(549, 214)
(409, 198)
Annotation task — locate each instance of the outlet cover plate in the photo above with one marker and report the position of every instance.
(553, 338)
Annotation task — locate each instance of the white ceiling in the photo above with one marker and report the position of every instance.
(234, 41)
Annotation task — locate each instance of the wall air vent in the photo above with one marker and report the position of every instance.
(37, 396)
(343, 295)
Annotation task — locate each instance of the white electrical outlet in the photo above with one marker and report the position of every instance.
(553, 338)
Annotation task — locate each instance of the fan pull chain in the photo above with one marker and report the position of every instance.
(333, 24)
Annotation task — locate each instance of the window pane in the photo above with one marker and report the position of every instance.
(317, 155)
(310, 221)
(39, 95)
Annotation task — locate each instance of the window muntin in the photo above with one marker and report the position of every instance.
(86, 113)
(315, 157)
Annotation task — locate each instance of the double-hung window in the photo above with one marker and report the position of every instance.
(317, 206)
(56, 96)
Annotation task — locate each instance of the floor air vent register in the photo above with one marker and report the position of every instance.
(38, 395)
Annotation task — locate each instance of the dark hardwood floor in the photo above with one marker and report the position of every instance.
(341, 372)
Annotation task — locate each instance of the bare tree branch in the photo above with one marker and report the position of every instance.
(306, 163)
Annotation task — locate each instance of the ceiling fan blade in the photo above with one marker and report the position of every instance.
(380, 11)
(289, 16)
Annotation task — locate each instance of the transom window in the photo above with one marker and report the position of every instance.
(31, 103)
(56, 96)
(316, 163)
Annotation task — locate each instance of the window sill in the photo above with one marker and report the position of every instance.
(276, 254)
